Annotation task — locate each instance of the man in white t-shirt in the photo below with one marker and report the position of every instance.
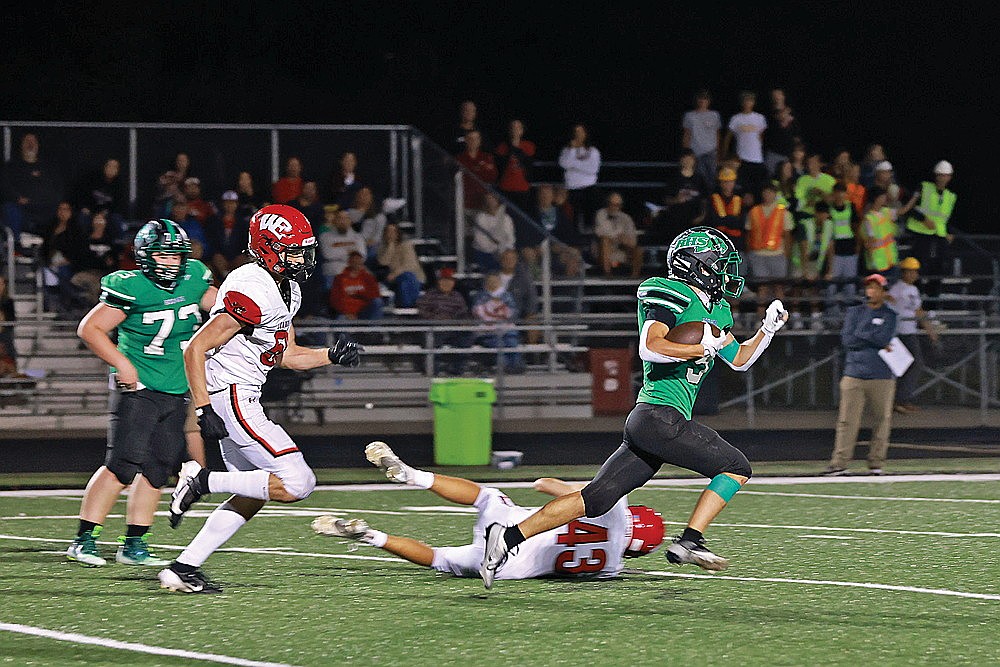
(748, 129)
(702, 130)
(904, 298)
(594, 548)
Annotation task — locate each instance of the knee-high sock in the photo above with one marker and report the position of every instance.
(249, 484)
(219, 527)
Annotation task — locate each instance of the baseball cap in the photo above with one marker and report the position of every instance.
(446, 272)
(876, 278)
(911, 263)
(944, 167)
(192, 179)
(727, 174)
(884, 165)
(230, 195)
(331, 208)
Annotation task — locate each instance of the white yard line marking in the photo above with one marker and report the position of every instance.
(779, 580)
(821, 582)
(829, 537)
(75, 638)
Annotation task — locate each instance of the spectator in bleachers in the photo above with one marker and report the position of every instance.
(683, 201)
(842, 249)
(879, 230)
(170, 184)
(337, 240)
(467, 113)
(496, 307)
(811, 188)
(8, 352)
(931, 235)
(97, 258)
(617, 243)
(183, 216)
(198, 206)
(403, 273)
(784, 181)
(308, 202)
(289, 186)
(565, 240)
(31, 189)
(481, 169)
(855, 191)
(769, 228)
(581, 163)
(725, 208)
(516, 278)
(492, 233)
(104, 190)
(782, 134)
(228, 235)
(182, 166)
(345, 184)
(701, 134)
(904, 298)
(747, 128)
(842, 161)
(873, 156)
(515, 159)
(61, 244)
(355, 293)
(443, 302)
(885, 178)
(368, 219)
(249, 202)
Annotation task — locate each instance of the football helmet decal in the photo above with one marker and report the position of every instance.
(647, 531)
(708, 259)
(161, 236)
(282, 241)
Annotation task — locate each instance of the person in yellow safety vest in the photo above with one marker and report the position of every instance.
(879, 231)
(769, 228)
(811, 188)
(842, 249)
(930, 234)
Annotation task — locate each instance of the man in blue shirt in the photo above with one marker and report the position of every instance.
(868, 328)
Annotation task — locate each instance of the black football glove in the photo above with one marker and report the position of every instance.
(345, 352)
(210, 424)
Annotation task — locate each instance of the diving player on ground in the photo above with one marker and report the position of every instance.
(250, 333)
(594, 548)
(702, 265)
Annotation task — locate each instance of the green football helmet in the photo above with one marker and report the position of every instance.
(708, 259)
(158, 236)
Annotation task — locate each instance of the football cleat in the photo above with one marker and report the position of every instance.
(187, 582)
(135, 551)
(382, 456)
(495, 555)
(187, 492)
(84, 551)
(682, 552)
(331, 526)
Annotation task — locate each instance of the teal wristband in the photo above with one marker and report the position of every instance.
(724, 486)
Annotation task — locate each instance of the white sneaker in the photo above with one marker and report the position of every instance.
(381, 455)
(496, 553)
(331, 526)
(187, 492)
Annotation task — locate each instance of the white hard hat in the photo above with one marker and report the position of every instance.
(884, 165)
(944, 167)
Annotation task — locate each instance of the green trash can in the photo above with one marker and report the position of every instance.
(463, 421)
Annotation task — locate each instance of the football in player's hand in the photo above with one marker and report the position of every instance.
(690, 333)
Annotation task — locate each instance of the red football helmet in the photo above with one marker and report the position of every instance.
(647, 531)
(278, 234)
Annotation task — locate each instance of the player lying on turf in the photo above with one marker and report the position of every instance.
(594, 547)
(702, 266)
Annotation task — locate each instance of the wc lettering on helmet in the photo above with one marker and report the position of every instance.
(276, 224)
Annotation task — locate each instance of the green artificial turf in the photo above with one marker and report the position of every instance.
(290, 604)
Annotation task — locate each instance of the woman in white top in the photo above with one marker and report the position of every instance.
(581, 162)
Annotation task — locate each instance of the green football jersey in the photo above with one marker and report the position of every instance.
(677, 384)
(158, 323)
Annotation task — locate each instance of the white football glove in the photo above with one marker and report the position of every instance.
(712, 343)
(774, 318)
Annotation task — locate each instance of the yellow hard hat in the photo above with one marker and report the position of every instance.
(911, 263)
(727, 174)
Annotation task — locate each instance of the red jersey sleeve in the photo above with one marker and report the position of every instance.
(242, 308)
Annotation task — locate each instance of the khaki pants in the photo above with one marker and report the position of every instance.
(854, 395)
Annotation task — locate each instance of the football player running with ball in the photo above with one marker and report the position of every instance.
(702, 266)
(155, 310)
(594, 548)
(250, 332)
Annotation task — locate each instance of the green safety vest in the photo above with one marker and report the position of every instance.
(881, 252)
(817, 241)
(842, 222)
(937, 206)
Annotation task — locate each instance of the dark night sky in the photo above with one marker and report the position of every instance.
(920, 79)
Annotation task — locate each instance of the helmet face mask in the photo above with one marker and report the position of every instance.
(166, 237)
(707, 259)
(281, 240)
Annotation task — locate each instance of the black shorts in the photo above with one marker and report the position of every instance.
(145, 433)
(660, 434)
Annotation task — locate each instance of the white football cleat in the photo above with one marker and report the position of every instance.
(382, 456)
(331, 526)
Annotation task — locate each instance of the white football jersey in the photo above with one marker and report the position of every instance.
(251, 296)
(582, 548)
